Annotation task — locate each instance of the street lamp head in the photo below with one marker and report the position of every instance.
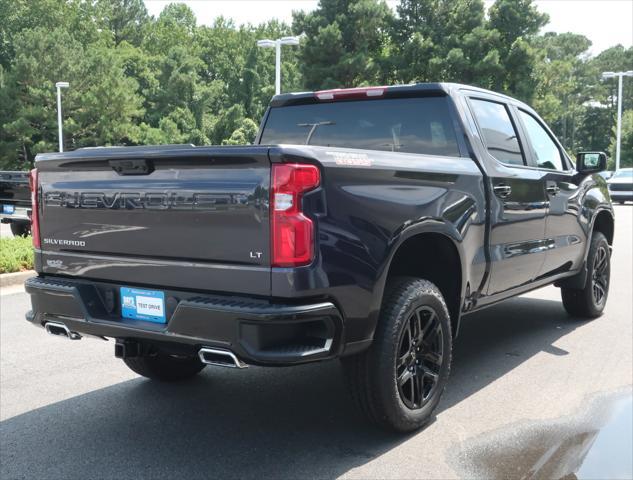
(629, 73)
(266, 43)
(290, 41)
(608, 74)
(62, 84)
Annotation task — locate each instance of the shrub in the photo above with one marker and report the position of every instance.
(16, 254)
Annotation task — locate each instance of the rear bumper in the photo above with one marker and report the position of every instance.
(256, 331)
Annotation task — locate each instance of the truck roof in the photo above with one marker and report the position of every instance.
(404, 90)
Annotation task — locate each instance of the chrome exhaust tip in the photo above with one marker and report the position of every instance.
(220, 358)
(60, 330)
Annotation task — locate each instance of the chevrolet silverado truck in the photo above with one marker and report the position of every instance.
(361, 225)
(15, 202)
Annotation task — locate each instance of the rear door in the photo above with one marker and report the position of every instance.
(518, 205)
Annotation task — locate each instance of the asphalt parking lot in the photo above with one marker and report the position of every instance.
(527, 381)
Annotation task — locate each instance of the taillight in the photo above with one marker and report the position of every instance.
(292, 233)
(35, 217)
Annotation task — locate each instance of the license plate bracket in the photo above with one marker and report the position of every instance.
(141, 304)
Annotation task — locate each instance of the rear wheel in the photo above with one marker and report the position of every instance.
(399, 380)
(20, 229)
(589, 301)
(163, 367)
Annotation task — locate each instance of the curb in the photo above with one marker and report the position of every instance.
(17, 278)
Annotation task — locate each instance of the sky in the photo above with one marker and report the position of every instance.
(605, 22)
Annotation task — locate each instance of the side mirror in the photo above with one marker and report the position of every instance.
(591, 162)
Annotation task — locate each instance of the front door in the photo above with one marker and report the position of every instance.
(564, 234)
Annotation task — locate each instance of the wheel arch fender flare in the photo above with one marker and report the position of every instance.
(424, 227)
(578, 281)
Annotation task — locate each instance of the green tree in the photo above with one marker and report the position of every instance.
(99, 108)
(445, 40)
(626, 145)
(41, 57)
(137, 79)
(561, 74)
(451, 40)
(17, 16)
(345, 42)
(244, 134)
(515, 19)
(125, 19)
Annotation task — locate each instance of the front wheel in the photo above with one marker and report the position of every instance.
(589, 301)
(163, 367)
(398, 381)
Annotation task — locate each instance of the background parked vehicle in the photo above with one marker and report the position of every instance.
(15, 202)
(621, 185)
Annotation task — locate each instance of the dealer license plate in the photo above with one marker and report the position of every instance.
(138, 304)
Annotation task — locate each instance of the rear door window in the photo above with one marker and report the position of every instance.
(498, 131)
(411, 125)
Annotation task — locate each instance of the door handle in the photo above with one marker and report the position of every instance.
(552, 189)
(502, 191)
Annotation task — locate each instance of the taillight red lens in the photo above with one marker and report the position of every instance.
(292, 233)
(35, 217)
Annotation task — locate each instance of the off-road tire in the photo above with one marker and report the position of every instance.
(582, 302)
(372, 374)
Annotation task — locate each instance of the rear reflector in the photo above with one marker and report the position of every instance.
(35, 217)
(350, 93)
(292, 233)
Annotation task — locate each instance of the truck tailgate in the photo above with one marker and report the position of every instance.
(171, 216)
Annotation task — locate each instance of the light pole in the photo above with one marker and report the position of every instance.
(276, 44)
(606, 75)
(59, 86)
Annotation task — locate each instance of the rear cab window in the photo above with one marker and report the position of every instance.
(420, 125)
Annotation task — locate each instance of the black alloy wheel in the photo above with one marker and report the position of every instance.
(420, 357)
(599, 275)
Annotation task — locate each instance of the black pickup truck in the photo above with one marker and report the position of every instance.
(362, 225)
(15, 201)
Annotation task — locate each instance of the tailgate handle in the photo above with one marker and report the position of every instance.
(131, 167)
